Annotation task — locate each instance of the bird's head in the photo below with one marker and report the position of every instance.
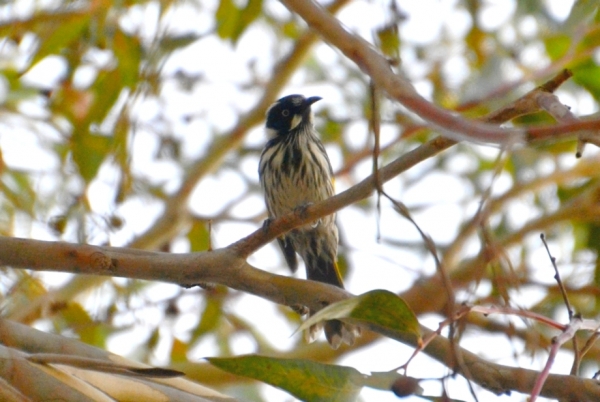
(289, 113)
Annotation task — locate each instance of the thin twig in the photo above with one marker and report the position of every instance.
(557, 342)
(563, 292)
(486, 310)
(438, 332)
(558, 280)
(590, 343)
(376, 128)
(450, 296)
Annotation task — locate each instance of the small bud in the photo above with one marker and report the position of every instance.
(406, 386)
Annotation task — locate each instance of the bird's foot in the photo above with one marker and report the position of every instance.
(300, 309)
(300, 210)
(266, 224)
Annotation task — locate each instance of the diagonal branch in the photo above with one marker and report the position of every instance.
(379, 70)
(396, 87)
(219, 266)
(176, 209)
(524, 105)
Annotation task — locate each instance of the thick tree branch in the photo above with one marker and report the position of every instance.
(219, 266)
(227, 269)
(231, 271)
(223, 267)
(502, 379)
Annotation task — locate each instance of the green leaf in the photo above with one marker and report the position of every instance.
(582, 13)
(179, 351)
(246, 17)
(73, 314)
(227, 16)
(590, 41)
(557, 45)
(170, 44)
(129, 54)
(306, 380)
(233, 21)
(18, 91)
(89, 151)
(211, 317)
(16, 187)
(153, 340)
(199, 237)
(382, 380)
(389, 40)
(290, 29)
(74, 317)
(379, 309)
(58, 33)
(331, 130)
(586, 74)
(106, 90)
(475, 40)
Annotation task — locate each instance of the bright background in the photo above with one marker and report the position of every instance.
(194, 92)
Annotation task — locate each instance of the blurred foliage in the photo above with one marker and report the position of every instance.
(116, 116)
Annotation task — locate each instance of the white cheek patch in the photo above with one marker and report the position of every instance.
(271, 133)
(295, 121)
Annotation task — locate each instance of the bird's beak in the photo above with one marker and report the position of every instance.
(311, 100)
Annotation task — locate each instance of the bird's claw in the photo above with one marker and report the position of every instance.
(300, 210)
(300, 309)
(266, 224)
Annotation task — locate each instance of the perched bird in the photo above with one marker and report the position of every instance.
(294, 172)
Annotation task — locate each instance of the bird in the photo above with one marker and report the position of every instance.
(294, 172)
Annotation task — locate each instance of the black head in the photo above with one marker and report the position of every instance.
(290, 112)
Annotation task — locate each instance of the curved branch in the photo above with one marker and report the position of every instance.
(221, 267)
(226, 266)
(378, 69)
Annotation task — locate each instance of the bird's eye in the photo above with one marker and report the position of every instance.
(285, 112)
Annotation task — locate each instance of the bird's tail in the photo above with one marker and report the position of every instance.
(337, 332)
